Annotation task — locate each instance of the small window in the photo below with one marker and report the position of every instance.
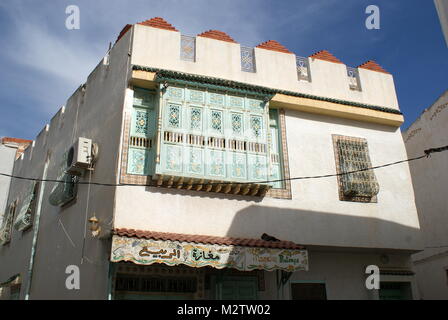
(188, 48)
(10, 289)
(247, 59)
(308, 291)
(64, 192)
(352, 155)
(6, 227)
(25, 216)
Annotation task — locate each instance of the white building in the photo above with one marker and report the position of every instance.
(195, 129)
(10, 150)
(430, 180)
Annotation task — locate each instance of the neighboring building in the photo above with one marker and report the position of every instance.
(203, 135)
(442, 11)
(10, 150)
(430, 179)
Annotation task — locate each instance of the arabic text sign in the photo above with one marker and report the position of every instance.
(146, 252)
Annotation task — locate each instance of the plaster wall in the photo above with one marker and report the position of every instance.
(430, 180)
(94, 111)
(314, 215)
(158, 48)
(7, 157)
(343, 274)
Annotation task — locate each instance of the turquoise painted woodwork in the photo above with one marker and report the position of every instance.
(141, 152)
(213, 135)
(236, 288)
(204, 134)
(276, 156)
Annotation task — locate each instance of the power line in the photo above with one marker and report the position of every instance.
(427, 154)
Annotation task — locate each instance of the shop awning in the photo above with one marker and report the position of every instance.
(148, 247)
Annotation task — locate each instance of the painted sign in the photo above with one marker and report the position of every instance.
(146, 252)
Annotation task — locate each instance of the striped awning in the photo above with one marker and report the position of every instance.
(148, 247)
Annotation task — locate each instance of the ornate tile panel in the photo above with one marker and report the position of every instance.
(188, 48)
(247, 59)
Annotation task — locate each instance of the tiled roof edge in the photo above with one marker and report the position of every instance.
(204, 239)
(164, 75)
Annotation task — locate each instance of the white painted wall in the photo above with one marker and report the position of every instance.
(430, 179)
(7, 157)
(343, 274)
(315, 215)
(160, 48)
(94, 112)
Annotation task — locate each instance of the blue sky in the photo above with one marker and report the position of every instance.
(42, 62)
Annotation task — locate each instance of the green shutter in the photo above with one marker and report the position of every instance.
(276, 156)
(142, 133)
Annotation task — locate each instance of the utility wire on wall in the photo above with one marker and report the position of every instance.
(427, 154)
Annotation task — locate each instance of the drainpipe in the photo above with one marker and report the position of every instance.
(36, 229)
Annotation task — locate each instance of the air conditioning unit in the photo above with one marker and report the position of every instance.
(80, 156)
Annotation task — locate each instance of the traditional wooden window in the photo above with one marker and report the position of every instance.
(141, 139)
(199, 135)
(25, 216)
(199, 139)
(276, 157)
(352, 154)
(6, 227)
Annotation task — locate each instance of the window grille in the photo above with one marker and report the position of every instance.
(353, 79)
(247, 59)
(64, 192)
(24, 219)
(156, 284)
(188, 48)
(303, 68)
(353, 155)
(6, 227)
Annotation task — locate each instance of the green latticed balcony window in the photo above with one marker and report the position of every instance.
(182, 136)
(141, 138)
(213, 135)
(352, 155)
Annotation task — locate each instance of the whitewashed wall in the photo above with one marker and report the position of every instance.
(314, 215)
(430, 179)
(160, 48)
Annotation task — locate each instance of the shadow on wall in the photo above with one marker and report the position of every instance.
(324, 229)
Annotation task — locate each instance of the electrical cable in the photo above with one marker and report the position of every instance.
(427, 154)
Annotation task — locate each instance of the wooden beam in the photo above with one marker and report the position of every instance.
(227, 187)
(336, 110)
